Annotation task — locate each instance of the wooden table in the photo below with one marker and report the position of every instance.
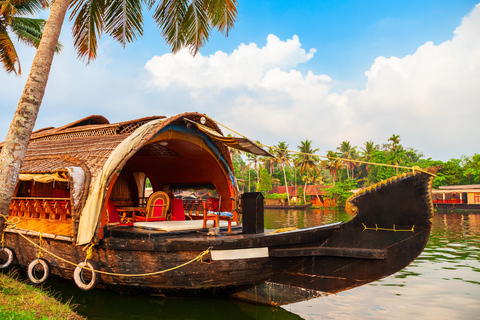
(127, 213)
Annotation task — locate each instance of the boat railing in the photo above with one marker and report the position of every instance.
(448, 201)
(194, 208)
(41, 208)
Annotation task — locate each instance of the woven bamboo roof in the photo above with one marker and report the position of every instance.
(89, 141)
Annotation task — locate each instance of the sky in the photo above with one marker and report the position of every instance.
(326, 71)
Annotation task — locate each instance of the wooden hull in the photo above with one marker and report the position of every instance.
(390, 230)
(456, 206)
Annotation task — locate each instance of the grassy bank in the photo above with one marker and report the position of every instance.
(21, 301)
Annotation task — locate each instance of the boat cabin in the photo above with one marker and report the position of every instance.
(457, 197)
(79, 180)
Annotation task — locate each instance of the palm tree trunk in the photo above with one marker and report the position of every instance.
(286, 184)
(14, 150)
(304, 191)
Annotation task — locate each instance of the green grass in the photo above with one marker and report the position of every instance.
(20, 301)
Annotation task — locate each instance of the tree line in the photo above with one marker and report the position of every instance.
(348, 167)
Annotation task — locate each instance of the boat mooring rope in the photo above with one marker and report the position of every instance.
(89, 249)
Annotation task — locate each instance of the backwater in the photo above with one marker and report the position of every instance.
(443, 283)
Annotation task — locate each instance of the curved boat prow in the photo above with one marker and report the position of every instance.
(390, 230)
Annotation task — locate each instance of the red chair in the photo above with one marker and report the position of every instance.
(178, 213)
(113, 218)
(157, 207)
(212, 212)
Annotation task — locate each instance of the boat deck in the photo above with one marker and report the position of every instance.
(162, 230)
(136, 238)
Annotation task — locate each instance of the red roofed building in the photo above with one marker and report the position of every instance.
(316, 194)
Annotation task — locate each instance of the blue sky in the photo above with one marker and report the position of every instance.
(329, 71)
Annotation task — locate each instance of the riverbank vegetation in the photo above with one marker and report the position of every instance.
(346, 168)
(21, 301)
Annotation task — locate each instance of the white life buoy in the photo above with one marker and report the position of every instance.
(10, 257)
(33, 272)
(78, 275)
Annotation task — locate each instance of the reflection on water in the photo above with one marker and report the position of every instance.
(443, 283)
(281, 218)
(99, 304)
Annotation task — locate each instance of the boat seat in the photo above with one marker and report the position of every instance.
(157, 208)
(113, 218)
(212, 212)
(178, 213)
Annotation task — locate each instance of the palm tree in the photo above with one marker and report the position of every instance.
(281, 153)
(269, 162)
(332, 164)
(366, 153)
(182, 23)
(26, 30)
(397, 152)
(398, 156)
(346, 151)
(306, 160)
(395, 140)
(253, 161)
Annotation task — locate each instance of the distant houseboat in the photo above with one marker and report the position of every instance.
(463, 197)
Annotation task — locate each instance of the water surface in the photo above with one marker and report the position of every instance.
(443, 283)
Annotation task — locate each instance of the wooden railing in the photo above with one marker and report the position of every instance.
(42, 208)
(194, 208)
(448, 201)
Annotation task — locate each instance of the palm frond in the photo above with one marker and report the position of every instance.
(124, 20)
(169, 16)
(8, 54)
(29, 31)
(222, 14)
(30, 7)
(88, 25)
(196, 25)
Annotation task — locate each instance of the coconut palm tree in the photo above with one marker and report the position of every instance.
(347, 152)
(269, 162)
(26, 30)
(398, 156)
(253, 161)
(332, 164)
(182, 24)
(397, 152)
(283, 156)
(306, 160)
(366, 153)
(395, 140)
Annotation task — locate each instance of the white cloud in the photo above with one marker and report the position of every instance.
(430, 98)
(245, 66)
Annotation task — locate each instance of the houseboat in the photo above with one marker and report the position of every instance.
(80, 212)
(462, 197)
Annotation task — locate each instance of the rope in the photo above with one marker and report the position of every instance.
(40, 254)
(385, 229)
(89, 249)
(197, 258)
(413, 168)
(284, 230)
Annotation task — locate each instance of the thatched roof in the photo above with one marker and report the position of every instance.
(87, 141)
